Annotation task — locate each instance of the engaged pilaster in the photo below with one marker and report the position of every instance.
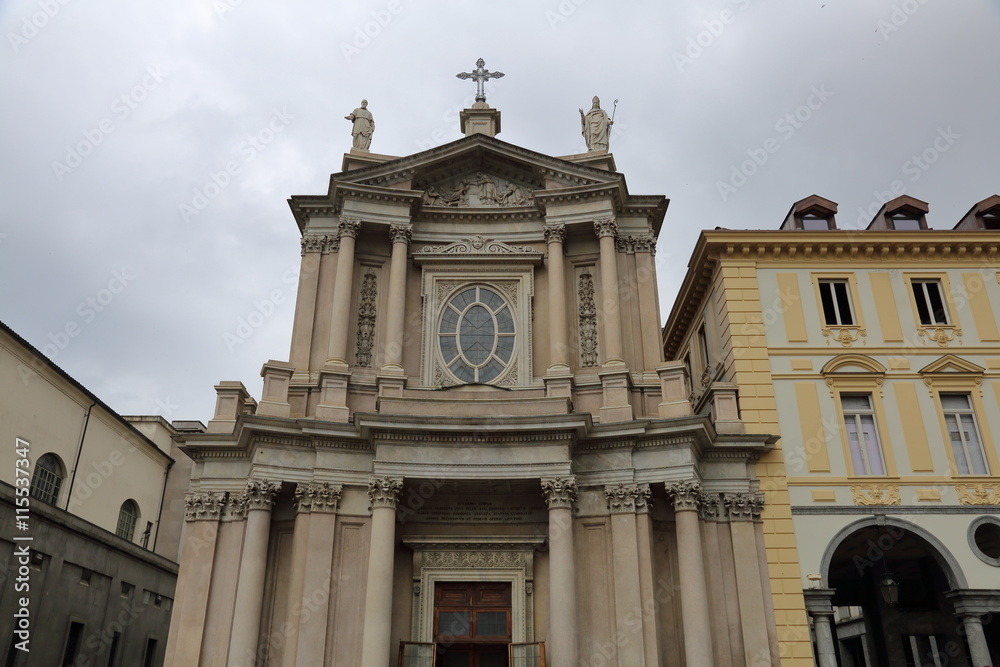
(607, 232)
(743, 509)
(258, 499)
(317, 508)
(688, 497)
(555, 239)
(390, 377)
(375, 646)
(342, 290)
(560, 494)
(623, 500)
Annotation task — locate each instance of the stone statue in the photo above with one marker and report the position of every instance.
(364, 126)
(596, 127)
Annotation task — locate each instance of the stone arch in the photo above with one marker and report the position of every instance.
(944, 558)
(842, 361)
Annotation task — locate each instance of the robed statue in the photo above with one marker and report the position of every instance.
(596, 127)
(364, 126)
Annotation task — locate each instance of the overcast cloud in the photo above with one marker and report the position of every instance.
(149, 148)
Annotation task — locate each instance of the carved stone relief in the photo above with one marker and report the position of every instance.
(478, 191)
(367, 308)
(875, 494)
(587, 309)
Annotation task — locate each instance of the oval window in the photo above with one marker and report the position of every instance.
(476, 335)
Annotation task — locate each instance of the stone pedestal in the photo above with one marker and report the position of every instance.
(725, 409)
(480, 119)
(274, 399)
(675, 390)
(231, 400)
(617, 392)
(333, 395)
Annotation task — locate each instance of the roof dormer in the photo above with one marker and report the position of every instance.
(904, 213)
(814, 213)
(983, 216)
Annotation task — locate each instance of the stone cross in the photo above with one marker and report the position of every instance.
(480, 75)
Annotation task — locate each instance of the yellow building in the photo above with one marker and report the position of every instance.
(876, 355)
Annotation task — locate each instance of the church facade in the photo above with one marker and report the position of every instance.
(475, 453)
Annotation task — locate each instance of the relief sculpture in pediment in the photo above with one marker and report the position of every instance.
(484, 192)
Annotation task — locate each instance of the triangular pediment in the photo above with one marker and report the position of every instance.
(951, 364)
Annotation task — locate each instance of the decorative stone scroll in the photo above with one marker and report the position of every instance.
(477, 244)
(622, 498)
(632, 244)
(401, 233)
(260, 493)
(384, 491)
(587, 309)
(978, 494)
(322, 243)
(846, 336)
(744, 506)
(554, 233)
(687, 495)
(607, 227)
(317, 497)
(875, 494)
(348, 227)
(560, 492)
(367, 309)
(203, 506)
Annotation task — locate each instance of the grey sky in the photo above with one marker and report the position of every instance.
(163, 99)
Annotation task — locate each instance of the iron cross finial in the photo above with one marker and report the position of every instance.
(480, 75)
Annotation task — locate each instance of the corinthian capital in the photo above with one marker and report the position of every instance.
(607, 227)
(744, 506)
(384, 491)
(401, 232)
(687, 495)
(622, 498)
(348, 227)
(317, 497)
(259, 494)
(203, 506)
(555, 233)
(559, 491)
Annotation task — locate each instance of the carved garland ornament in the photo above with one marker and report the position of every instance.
(474, 559)
(384, 491)
(942, 335)
(203, 506)
(317, 497)
(560, 492)
(978, 494)
(366, 319)
(846, 336)
(588, 321)
(874, 494)
(477, 244)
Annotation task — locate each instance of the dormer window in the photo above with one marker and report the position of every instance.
(815, 220)
(906, 221)
(991, 219)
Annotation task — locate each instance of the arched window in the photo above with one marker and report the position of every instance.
(47, 480)
(476, 335)
(127, 518)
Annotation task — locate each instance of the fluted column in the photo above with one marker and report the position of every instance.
(259, 497)
(555, 237)
(697, 624)
(560, 494)
(622, 500)
(819, 604)
(375, 648)
(743, 509)
(319, 503)
(396, 315)
(343, 288)
(187, 623)
(607, 232)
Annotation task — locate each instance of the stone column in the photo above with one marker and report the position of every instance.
(319, 503)
(343, 289)
(296, 576)
(607, 232)
(375, 644)
(259, 497)
(395, 316)
(819, 604)
(971, 606)
(560, 494)
(555, 237)
(743, 509)
(979, 651)
(187, 623)
(622, 499)
(697, 624)
(305, 301)
(647, 578)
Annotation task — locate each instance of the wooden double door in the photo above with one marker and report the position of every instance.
(472, 623)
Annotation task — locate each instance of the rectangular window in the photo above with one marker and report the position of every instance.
(72, 643)
(963, 433)
(862, 436)
(113, 652)
(929, 298)
(150, 656)
(703, 346)
(836, 298)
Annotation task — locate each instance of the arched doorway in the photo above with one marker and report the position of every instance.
(889, 599)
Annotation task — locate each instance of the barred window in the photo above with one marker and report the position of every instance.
(47, 480)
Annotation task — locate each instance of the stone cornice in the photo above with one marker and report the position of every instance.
(560, 492)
